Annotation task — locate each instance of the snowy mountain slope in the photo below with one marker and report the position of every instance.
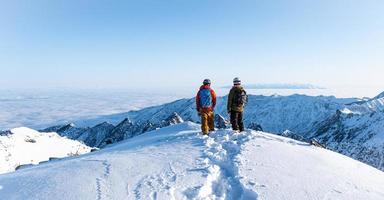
(106, 133)
(22, 146)
(155, 114)
(356, 131)
(297, 113)
(177, 163)
(361, 107)
(95, 136)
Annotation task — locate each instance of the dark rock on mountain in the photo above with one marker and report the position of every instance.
(255, 126)
(174, 118)
(70, 131)
(5, 133)
(293, 135)
(221, 122)
(124, 130)
(96, 135)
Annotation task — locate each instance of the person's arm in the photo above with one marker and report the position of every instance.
(213, 94)
(230, 99)
(198, 101)
(246, 97)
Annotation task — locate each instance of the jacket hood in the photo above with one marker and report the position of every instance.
(205, 87)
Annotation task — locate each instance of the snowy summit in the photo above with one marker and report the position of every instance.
(21, 147)
(176, 162)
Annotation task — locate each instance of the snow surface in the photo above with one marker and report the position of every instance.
(176, 162)
(26, 146)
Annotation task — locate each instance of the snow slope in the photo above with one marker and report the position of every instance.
(356, 131)
(177, 163)
(22, 146)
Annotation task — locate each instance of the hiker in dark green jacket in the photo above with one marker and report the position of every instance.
(237, 99)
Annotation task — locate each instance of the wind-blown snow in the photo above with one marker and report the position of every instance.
(176, 162)
(24, 146)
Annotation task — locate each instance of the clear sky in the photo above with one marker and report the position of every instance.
(163, 43)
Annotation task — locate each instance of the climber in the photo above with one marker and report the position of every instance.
(205, 105)
(237, 100)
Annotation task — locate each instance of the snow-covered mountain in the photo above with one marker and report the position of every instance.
(297, 113)
(176, 162)
(350, 126)
(356, 131)
(106, 133)
(24, 146)
(296, 116)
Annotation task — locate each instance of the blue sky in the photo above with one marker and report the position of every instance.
(163, 43)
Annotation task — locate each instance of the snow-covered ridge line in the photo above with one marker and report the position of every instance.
(176, 162)
(24, 146)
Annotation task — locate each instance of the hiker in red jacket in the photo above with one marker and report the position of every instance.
(205, 105)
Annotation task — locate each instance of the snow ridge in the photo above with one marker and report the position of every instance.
(176, 162)
(223, 180)
(25, 147)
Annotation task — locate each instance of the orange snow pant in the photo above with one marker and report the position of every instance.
(207, 121)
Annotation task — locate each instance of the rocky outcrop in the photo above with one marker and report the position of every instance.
(221, 122)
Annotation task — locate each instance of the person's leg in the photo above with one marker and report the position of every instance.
(240, 121)
(204, 123)
(211, 121)
(235, 126)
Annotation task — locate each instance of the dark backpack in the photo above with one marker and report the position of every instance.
(240, 97)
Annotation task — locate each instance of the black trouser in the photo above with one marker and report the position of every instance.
(237, 121)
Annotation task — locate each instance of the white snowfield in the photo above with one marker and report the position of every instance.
(176, 162)
(26, 146)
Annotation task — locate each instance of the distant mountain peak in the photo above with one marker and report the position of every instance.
(125, 121)
(68, 126)
(381, 95)
(104, 124)
(174, 118)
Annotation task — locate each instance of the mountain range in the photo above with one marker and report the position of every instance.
(351, 126)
